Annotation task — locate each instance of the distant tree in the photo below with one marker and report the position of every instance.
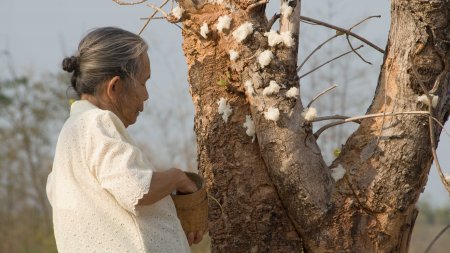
(30, 113)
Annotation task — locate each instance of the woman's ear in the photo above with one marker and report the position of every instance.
(114, 88)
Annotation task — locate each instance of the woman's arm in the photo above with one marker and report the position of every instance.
(164, 183)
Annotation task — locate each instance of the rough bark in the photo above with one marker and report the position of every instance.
(253, 218)
(388, 170)
(278, 187)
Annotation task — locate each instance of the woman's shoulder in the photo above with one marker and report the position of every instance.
(97, 117)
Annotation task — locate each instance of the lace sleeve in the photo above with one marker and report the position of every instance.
(117, 163)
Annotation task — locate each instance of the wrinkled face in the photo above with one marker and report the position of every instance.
(136, 94)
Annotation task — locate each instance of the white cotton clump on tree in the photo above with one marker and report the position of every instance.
(243, 31)
(292, 92)
(424, 100)
(224, 109)
(287, 38)
(204, 30)
(273, 88)
(249, 88)
(178, 12)
(273, 38)
(223, 23)
(250, 125)
(338, 173)
(265, 58)
(286, 10)
(272, 114)
(309, 114)
(233, 55)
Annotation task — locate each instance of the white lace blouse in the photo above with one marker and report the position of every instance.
(98, 177)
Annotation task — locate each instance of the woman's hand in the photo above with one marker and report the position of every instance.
(194, 237)
(164, 183)
(185, 185)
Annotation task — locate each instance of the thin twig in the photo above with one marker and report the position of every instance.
(335, 36)
(432, 134)
(364, 20)
(359, 118)
(156, 8)
(318, 22)
(348, 39)
(372, 116)
(151, 16)
(254, 5)
(316, 49)
(330, 118)
(272, 21)
(337, 57)
(320, 94)
(436, 238)
(119, 2)
(166, 16)
(320, 131)
(354, 51)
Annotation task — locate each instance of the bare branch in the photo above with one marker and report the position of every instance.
(359, 118)
(348, 39)
(156, 8)
(254, 5)
(272, 21)
(436, 238)
(337, 57)
(120, 2)
(316, 49)
(364, 20)
(354, 51)
(166, 16)
(320, 94)
(318, 22)
(151, 17)
(330, 118)
(432, 134)
(335, 36)
(322, 129)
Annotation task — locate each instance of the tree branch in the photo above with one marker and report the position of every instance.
(316, 49)
(119, 2)
(318, 22)
(151, 16)
(320, 94)
(432, 134)
(358, 118)
(335, 36)
(335, 58)
(354, 51)
(436, 238)
(272, 21)
(348, 39)
(254, 5)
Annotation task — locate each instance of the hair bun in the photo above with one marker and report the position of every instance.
(70, 64)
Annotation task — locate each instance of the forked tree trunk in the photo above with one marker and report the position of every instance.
(277, 189)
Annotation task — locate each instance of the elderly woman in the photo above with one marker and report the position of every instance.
(106, 197)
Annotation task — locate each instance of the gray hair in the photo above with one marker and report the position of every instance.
(102, 54)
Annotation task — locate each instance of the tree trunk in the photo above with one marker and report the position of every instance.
(251, 217)
(277, 189)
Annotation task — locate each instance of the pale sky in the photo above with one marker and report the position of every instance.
(38, 34)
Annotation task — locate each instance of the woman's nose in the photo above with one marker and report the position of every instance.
(146, 94)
